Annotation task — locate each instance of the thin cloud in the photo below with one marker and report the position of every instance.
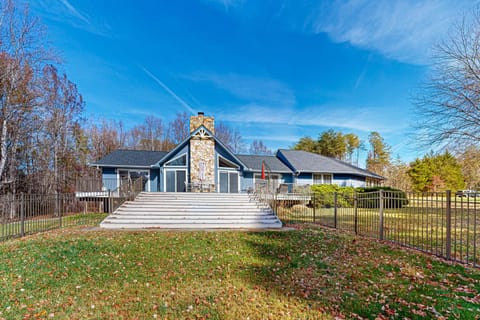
(401, 30)
(64, 12)
(74, 11)
(169, 91)
(252, 89)
(358, 118)
(226, 4)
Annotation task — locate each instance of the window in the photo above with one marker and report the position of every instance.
(224, 163)
(177, 162)
(322, 178)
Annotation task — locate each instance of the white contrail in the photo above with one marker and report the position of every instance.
(74, 11)
(173, 94)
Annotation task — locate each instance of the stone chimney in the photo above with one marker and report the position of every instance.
(200, 119)
(202, 153)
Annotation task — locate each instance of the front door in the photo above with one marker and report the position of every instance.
(228, 182)
(175, 180)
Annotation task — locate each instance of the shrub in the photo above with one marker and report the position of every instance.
(324, 195)
(393, 198)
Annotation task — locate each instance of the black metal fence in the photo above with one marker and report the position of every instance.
(441, 224)
(24, 214)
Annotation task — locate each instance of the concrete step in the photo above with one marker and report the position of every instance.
(235, 225)
(158, 212)
(172, 215)
(192, 210)
(189, 219)
(194, 203)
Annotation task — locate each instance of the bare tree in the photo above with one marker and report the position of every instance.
(150, 135)
(468, 160)
(179, 128)
(229, 137)
(448, 106)
(258, 147)
(105, 137)
(22, 55)
(62, 107)
(397, 175)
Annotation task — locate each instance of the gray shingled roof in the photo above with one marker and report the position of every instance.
(130, 158)
(303, 161)
(254, 163)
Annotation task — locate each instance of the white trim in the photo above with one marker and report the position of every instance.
(237, 167)
(175, 169)
(226, 170)
(322, 177)
(179, 156)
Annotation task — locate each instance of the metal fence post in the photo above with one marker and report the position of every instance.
(448, 236)
(22, 216)
(110, 202)
(335, 209)
(355, 206)
(380, 214)
(314, 206)
(60, 209)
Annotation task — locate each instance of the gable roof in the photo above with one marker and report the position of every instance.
(303, 161)
(254, 163)
(130, 158)
(173, 152)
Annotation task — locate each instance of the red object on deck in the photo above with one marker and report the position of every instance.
(263, 170)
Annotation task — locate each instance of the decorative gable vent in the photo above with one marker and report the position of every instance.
(202, 134)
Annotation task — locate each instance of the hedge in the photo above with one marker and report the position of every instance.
(324, 196)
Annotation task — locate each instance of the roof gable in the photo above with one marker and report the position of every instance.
(201, 131)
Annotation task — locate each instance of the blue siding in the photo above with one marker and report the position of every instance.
(154, 180)
(109, 177)
(304, 178)
(246, 181)
(287, 177)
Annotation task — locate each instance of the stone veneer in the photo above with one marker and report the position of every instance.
(202, 150)
(200, 119)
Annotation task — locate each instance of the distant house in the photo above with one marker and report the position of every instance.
(203, 163)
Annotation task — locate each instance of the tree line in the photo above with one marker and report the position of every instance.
(46, 143)
(45, 140)
(434, 172)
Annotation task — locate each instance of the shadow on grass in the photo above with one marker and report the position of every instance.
(346, 276)
(293, 264)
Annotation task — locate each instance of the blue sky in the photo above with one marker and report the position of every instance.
(275, 70)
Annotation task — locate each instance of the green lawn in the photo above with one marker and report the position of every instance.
(310, 273)
(421, 228)
(40, 224)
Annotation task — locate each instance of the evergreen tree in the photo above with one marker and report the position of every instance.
(378, 158)
(436, 173)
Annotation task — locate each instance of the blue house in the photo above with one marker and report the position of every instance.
(203, 163)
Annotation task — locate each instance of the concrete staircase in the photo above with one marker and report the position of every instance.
(192, 211)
